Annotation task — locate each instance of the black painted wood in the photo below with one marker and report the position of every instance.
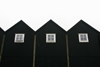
(51, 54)
(1, 37)
(84, 54)
(18, 54)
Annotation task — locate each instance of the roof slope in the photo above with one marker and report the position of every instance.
(52, 22)
(21, 22)
(81, 21)
(1, 29)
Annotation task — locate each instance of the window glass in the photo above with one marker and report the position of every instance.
(51, 38)
(19, 38)
(83, 37)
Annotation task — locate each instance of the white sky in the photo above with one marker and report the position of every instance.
(36, 13)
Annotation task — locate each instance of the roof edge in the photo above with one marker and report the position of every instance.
(81, 21)
(48, 23)
(2, 29)
(21, 21)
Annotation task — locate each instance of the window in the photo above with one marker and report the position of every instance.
(83, 37)
(50, 38)
(19, 38)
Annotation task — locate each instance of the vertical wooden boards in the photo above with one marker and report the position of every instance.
(67, 51)
(2, 47)
(34, 50)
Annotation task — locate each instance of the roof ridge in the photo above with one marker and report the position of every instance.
(81, 21)
(50, 21)
(21, 21)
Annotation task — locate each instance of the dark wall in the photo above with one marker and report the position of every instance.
(51, 54)
(18, 54)
(84, 61)
(1, 38)
(83, 54)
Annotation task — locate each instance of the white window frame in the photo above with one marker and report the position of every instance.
(19, 41)
(54, 41)
(87, 40)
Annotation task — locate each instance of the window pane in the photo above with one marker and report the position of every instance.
(52, 39)
(48, 35)
(17, 38)
(81, 36)
(52, 35)
(48, 39)
(84, 36)
(20, 37)
(85, 39)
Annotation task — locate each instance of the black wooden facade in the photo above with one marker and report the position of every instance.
(36, 52)
(51, 54)
(18, 54)
(1, 37)
(85, 54)
(1, 42)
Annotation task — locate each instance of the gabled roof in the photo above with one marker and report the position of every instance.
(20, 22)
(81, 21)
(50, 21)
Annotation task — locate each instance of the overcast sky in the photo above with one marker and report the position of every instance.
(36, 13)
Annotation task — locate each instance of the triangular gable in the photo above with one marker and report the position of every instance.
(81, 21)
(20, 22)
(50, 21)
